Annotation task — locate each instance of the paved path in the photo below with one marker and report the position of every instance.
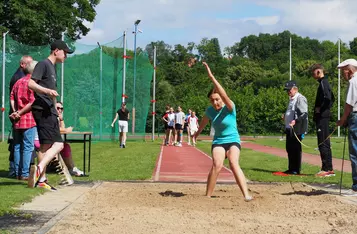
(312, 159)
(186, 164)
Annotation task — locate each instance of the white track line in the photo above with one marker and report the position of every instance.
(211, 159)
(157, 174)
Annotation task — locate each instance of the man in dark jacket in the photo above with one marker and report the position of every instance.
(296, 121)
(322, 113)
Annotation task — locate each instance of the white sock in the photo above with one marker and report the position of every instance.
(42, 179)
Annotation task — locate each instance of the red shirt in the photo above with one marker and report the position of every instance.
(22, 96)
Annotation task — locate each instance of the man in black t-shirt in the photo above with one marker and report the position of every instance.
(123, 115)
(44, 83)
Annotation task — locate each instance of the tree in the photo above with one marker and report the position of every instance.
(210, 50)
(353, 46)
(38, 22)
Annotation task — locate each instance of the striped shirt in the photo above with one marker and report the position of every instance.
(22, 96)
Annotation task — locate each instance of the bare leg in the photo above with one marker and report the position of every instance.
(50, 153)
(69, 162)
(233, 157)
(175, 135)
(193, 139)
(167, 136)
(120, 138)
(188, 135)
(218, 155)
(181, 135)
(124, 138)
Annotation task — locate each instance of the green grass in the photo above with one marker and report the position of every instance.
(259, 167)
(108, 162)
(336, 145)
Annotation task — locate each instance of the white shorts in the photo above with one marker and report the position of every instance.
(193, 130)
(123, 126)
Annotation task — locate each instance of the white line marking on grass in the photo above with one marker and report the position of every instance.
(211, 159)
(157, 174)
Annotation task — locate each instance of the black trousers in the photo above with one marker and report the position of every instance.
(293, 148)
(322, 130)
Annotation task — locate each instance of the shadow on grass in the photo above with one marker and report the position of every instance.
(306, 193)
(262, 170)
(272, 171)
(4, 174)
(169, 193)
(23, 222)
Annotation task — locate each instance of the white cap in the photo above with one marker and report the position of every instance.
(352, 62)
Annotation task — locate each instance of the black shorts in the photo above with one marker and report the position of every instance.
(47, 126)
(170, 127)
(226, 146)
(178, 126)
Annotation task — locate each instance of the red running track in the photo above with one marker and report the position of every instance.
(186, 164)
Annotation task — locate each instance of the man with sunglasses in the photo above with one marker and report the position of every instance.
(296, 123)
(44, 83)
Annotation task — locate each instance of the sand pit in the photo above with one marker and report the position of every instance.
(115, 207)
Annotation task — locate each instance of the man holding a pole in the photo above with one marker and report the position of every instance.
(349, 117)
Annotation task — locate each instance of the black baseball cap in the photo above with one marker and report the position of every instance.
(61, 45)
(289, 85)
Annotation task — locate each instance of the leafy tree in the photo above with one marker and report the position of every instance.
(37, 22)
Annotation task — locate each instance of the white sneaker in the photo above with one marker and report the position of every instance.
(189, 143)
(350, 193)
(76, 172)
(179, 145)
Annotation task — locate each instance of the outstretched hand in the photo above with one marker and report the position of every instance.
(208, 69)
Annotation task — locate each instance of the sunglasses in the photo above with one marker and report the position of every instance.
(59, 108)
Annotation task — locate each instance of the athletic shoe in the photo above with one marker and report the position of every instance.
(179, 145)
(46, 186)
(76, 172)
(189, 143)
(325, 174)
(291, 172)
(34, 176)
(123, 146)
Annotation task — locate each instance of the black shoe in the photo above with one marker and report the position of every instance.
(123, 146)
(291, 172)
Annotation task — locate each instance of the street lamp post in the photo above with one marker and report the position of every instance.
(133, 109)
(3, 85)
(100, 91)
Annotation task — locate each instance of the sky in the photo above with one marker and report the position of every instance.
(183, 21)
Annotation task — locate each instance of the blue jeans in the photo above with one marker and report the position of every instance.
(23, 148)
(352, 146)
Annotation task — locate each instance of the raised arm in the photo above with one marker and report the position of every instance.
(219, 88)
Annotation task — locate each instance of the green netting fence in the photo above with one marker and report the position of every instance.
(81, 85)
